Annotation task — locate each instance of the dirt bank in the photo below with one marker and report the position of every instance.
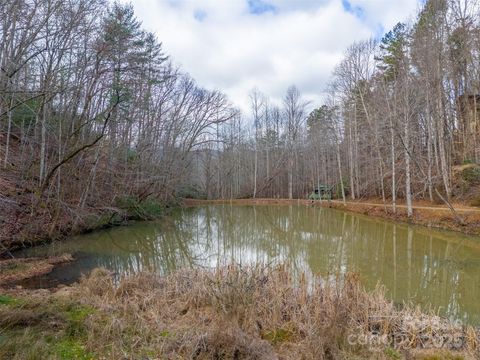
(14, 270)
(424, 213)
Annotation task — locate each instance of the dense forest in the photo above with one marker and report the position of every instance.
(400, 118)
(98, 123)
(94, 116)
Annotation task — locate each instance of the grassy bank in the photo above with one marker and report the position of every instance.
(424, 213)
(230, 313)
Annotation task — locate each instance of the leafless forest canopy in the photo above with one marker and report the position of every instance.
(94, 115)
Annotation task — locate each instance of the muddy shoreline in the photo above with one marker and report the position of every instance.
(13, 271)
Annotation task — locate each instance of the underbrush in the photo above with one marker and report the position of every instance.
(52, 221)
(230, 313)
(147, 209)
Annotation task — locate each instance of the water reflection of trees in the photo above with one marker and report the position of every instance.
(413, 263)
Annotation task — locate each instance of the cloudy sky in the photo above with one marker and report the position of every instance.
(236, 45)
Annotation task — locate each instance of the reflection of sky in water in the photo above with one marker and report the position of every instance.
(414, 263)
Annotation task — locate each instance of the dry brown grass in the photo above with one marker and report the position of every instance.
(255, 313)
(229, 313)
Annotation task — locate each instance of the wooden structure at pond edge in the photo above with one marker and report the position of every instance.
(321, 192)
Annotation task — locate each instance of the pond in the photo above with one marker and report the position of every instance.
(415, 264)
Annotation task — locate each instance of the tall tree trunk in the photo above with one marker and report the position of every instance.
(9, 129)
(255, 171)
(408, 191)
(429, 151)
(441, 135)
(290, 177)
(43, 143)
(394, 175)
(339, 163)
(351, 163)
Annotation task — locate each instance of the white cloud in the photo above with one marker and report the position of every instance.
(225, 46)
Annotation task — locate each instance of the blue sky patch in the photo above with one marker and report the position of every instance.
(379, 31)
(355, 10)
(200, 15)
(259, 7)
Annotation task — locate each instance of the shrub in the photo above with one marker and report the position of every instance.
(191, 192)
(147, 209)
(471, 175)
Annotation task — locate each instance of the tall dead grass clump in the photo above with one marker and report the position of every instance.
(254, 313)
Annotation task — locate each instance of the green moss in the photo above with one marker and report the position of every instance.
(392, 354)
(441, 356)
(76, 315)
(44, 329)
(165, 333)
(79, 312)
(149, 354)
(277, 336)
(69, 349)
(8, 300)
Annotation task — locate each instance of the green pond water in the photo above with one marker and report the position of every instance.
(415, 264)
